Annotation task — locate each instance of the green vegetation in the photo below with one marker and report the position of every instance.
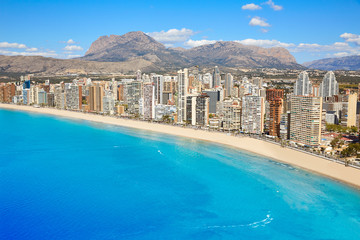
(351, 150)
(340, 129)
(337, 142)
(166, 119)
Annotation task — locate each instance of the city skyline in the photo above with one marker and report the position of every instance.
(309, 30)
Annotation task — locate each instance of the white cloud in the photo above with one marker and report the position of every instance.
(251, 6)
(341, 54)
(13, 53)
(273, 6)
(32, 50)
(196, 43)
(350, 37)
(264, 30)
(172, 35)
(73, 48)
(258, 21)
(265, 43)
(12, 45)
(73, 56)
(70, 41)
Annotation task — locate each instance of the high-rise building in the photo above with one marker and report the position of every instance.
(216, 77)
(253, 110)
(275, 105)
(214, 98)
(73, 97)
(108, 102)
(348, 110)
(158, 81)
(272, 94)
(183, 81)
(231, 115)
(229, 84)
(329, 86)
(42, 97)
(275, 116)
(149, 101)
(302, 85)
(197, 109)
(133, 96)
(306, 120)
(96, 94)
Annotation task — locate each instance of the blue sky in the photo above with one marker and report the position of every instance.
(63, 29)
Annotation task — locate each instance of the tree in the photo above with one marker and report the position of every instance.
(166, 119)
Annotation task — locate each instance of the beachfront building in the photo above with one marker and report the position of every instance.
(231, 114)
(306, 120)
(183, 81)
(214, 98)
(274, 98)
(7, 92)
(302, 85)
(158, 81)
(253, 110)
(149, 101)
(108, 102)
(96, 94)
(197, 110)
(133, 95)
(329, 86)
(169, 90)
(42, 97)
(73, 96)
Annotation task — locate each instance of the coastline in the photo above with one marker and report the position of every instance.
(295, 158)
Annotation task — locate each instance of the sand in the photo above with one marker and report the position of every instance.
(295, 158)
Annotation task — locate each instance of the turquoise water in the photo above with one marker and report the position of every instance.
(67, 179)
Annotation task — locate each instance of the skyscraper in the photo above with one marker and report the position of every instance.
(197, 109)
(329, 86)
(216, 77)
(253, 109)
(149, 101)
(229, 84)
(302, 85)
(183, 82)
(306, 120)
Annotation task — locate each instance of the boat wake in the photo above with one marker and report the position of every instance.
(256, 224)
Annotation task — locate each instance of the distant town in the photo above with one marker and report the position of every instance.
(314, 115)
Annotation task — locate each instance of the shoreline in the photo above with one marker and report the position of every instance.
(336, 171)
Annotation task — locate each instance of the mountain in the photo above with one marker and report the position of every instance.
(138, 45)
(43, 65)
(136, 50)
(343, 63)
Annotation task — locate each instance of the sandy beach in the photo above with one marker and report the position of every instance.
(305, 161)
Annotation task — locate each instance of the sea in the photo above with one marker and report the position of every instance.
(73, 179)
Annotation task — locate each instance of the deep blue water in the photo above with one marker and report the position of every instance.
(67, 179)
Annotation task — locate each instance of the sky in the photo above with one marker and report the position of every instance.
(310, 30)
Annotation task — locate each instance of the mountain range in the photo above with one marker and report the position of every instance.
(342, 63)
(136, 50)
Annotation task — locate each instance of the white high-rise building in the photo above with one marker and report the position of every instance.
(306, 120)
(253, 110)
(183, 83)
(329, 86)
(229, 84)
(302, 85)
(158, 81)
